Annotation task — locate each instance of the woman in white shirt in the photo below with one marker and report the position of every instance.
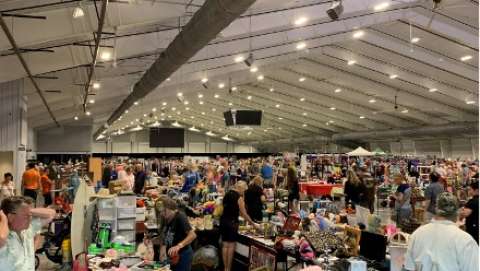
(7, 188)
(128, 179)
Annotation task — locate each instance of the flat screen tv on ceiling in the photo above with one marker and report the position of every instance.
(167, 137)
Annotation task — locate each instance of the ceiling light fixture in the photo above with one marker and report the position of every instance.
(234, 88)
(358, 34)
(209, 133)
(302, 99)
(106, 55)
(304, 113)
(302, 79)
(168, 79)
(470, 102)
(335, 10)
(271, 89)
(415, 40)
(96, 85)
(176, 124)
(154, 109)
(155, 124)
(381, 6)
(221, 85)
(216, 96)
(362, 117)
(179, 94)
(392, 76)
(239, 59)
(75, 118)
(227, 138)
(249, 97)
(277, 105)
(253, 69)
(304, 125)
(88, 113)
(78, 12)
(91, 101)
(433, 90)
(332, 108)
(300, 21)
(338, 90)
(404, 111)
(193, 129)
(214, 109)
(301, 45)
(351, 62)
(200, 102)
(372, 101)
(135, 103)
(164, 103)
(204, 80)
(230, 104)
(260, 77)
(466, 58)
(186, 102)
(200, 95)
(126, 111)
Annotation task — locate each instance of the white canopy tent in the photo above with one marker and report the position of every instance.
(360, 152)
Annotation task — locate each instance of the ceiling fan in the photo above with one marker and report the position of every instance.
(57, 91)
(396, 108)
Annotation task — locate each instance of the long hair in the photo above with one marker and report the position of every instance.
(352, 177)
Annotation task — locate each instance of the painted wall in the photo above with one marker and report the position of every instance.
(138, 142)
(78, 139)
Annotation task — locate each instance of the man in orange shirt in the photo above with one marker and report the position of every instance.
(46, 186)
(31, 181)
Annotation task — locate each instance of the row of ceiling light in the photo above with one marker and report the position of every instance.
(106, 55)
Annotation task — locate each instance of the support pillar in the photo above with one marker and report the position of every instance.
(13, 126)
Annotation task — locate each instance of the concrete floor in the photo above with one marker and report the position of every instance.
(47, 265)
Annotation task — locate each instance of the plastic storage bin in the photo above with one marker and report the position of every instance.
(106, 203)
(126, 201)
(126, 225)
(106, 214)
(126, 213)
(128, 235)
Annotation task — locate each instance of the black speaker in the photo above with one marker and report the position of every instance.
(243, 117)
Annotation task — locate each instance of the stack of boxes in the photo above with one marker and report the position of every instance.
(120, 213)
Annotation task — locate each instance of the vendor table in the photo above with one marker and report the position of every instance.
(317, 189)
(253, 252)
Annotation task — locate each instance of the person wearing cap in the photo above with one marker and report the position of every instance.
(470, 212)
(441, 245)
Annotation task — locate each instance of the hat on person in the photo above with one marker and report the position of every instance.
(447, 205)
(104, 193)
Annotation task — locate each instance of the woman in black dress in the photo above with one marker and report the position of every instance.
(293, 189)
(233, 206)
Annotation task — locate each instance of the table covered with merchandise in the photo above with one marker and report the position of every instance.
(317, 189)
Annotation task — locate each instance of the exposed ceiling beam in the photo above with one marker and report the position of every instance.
(13, 43)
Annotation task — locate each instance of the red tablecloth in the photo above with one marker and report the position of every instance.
(317, 189)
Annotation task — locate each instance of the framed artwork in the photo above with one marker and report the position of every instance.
(261, 259)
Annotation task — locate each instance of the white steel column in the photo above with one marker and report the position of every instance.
(13, 126)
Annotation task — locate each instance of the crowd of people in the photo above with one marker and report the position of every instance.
(241, 182)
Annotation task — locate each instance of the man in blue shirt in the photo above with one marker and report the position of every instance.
(267, 175)
(190, 179)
